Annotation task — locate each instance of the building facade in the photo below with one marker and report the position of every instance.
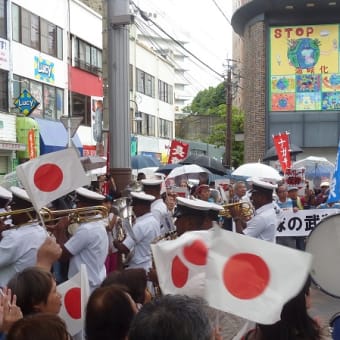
(290, 68)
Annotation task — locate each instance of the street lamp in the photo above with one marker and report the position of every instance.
(137, 117)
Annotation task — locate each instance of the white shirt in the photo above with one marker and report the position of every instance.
(263, 224)
(89, 246)
(18, 249)
(160, 211)
(145, 230)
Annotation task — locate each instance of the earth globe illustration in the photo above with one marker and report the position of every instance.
(303, 53)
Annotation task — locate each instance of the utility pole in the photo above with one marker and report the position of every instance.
(229, 102)
(118, 21)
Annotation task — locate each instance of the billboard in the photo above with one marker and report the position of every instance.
(304, 68)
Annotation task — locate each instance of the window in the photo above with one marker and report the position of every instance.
(148, 125)
(36, 32)
(87, 57)
(3, 19)
(3, 90)
(81, 107)
(165, 128)
(165, 92)
(51, 98)
(145, 83)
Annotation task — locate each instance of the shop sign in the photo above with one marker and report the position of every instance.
(26, 103)
(44, 70)
(12, 146)
(4, 54)
(31, 144)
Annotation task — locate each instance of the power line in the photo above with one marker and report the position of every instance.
(221, 11)
(146, 18)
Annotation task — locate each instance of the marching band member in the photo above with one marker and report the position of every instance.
(89, 244)
(263, 224)
(195, 214)
(145, 230)
(19, 245)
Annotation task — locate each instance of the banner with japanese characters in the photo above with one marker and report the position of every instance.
(178, 151)
(281, 142)
(295, 177)
(301, 223)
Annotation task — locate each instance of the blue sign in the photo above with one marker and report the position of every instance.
(26, 103)
(334, 192)
(44, 70)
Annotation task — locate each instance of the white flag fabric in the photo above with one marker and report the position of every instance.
(51, 176)
(234, 273)
(75, 293)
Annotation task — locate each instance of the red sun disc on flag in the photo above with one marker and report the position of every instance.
(246, 275)
(179, 272)
(48, 177)
(72, 302)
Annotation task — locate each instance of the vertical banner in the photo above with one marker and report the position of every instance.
(334, 192)
(97, 119)
(178, 151)
(281, 142)
(32, 152)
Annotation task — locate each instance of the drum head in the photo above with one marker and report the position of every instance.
(324, 244)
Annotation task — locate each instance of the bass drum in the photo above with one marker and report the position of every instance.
(324, 244)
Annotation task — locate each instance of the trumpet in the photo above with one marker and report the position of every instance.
(242, 209)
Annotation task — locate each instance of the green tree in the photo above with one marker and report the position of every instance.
(212, 101)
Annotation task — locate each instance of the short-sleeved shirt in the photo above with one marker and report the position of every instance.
(18, 249)
(145, 230)
(160, 211)
(89, 246)
(264, 223)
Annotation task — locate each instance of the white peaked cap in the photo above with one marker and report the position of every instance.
(21, 193)
(89, 194)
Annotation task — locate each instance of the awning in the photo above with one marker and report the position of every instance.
(54, 137)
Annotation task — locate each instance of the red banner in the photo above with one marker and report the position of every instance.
(178, 151)
(281, 142)
(32, 152)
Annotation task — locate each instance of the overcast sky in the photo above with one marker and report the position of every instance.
(201, 23)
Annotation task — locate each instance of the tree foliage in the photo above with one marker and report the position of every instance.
(212, 101)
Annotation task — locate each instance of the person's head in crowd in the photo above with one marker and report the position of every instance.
(261, 193)
(203, 178)
(39, 326)
(107, 202)
(152, 187)
(282, 192)
(324, 186)
(21, 200)
(240, 189)
(212, 215)
(293, 192)
(172, 317)
(170, 200)
(109, 313)
(88, 198)
(36, 291)
(295, 321)
(183, 183)
(141, 202)
(191, 215)
(140, 176)
(203, 192)
(135, 279)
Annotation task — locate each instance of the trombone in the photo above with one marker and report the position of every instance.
(75, 215)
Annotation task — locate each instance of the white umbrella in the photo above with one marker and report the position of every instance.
(258, 170)
(188, 170)
(315, 167)
(149, 171)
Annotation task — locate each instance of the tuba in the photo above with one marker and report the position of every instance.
(243, 209)
(126, 218)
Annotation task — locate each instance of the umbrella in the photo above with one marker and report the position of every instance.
(149, 171)
(141, 161)
(271, 154)
(92, 162)
(316, 167)
(258, 170)
(212, 164)
(188, 170)
(165, 169)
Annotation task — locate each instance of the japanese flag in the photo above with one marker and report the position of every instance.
(51, 176)
(182, 261)
(75, 293)
(237, 274)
